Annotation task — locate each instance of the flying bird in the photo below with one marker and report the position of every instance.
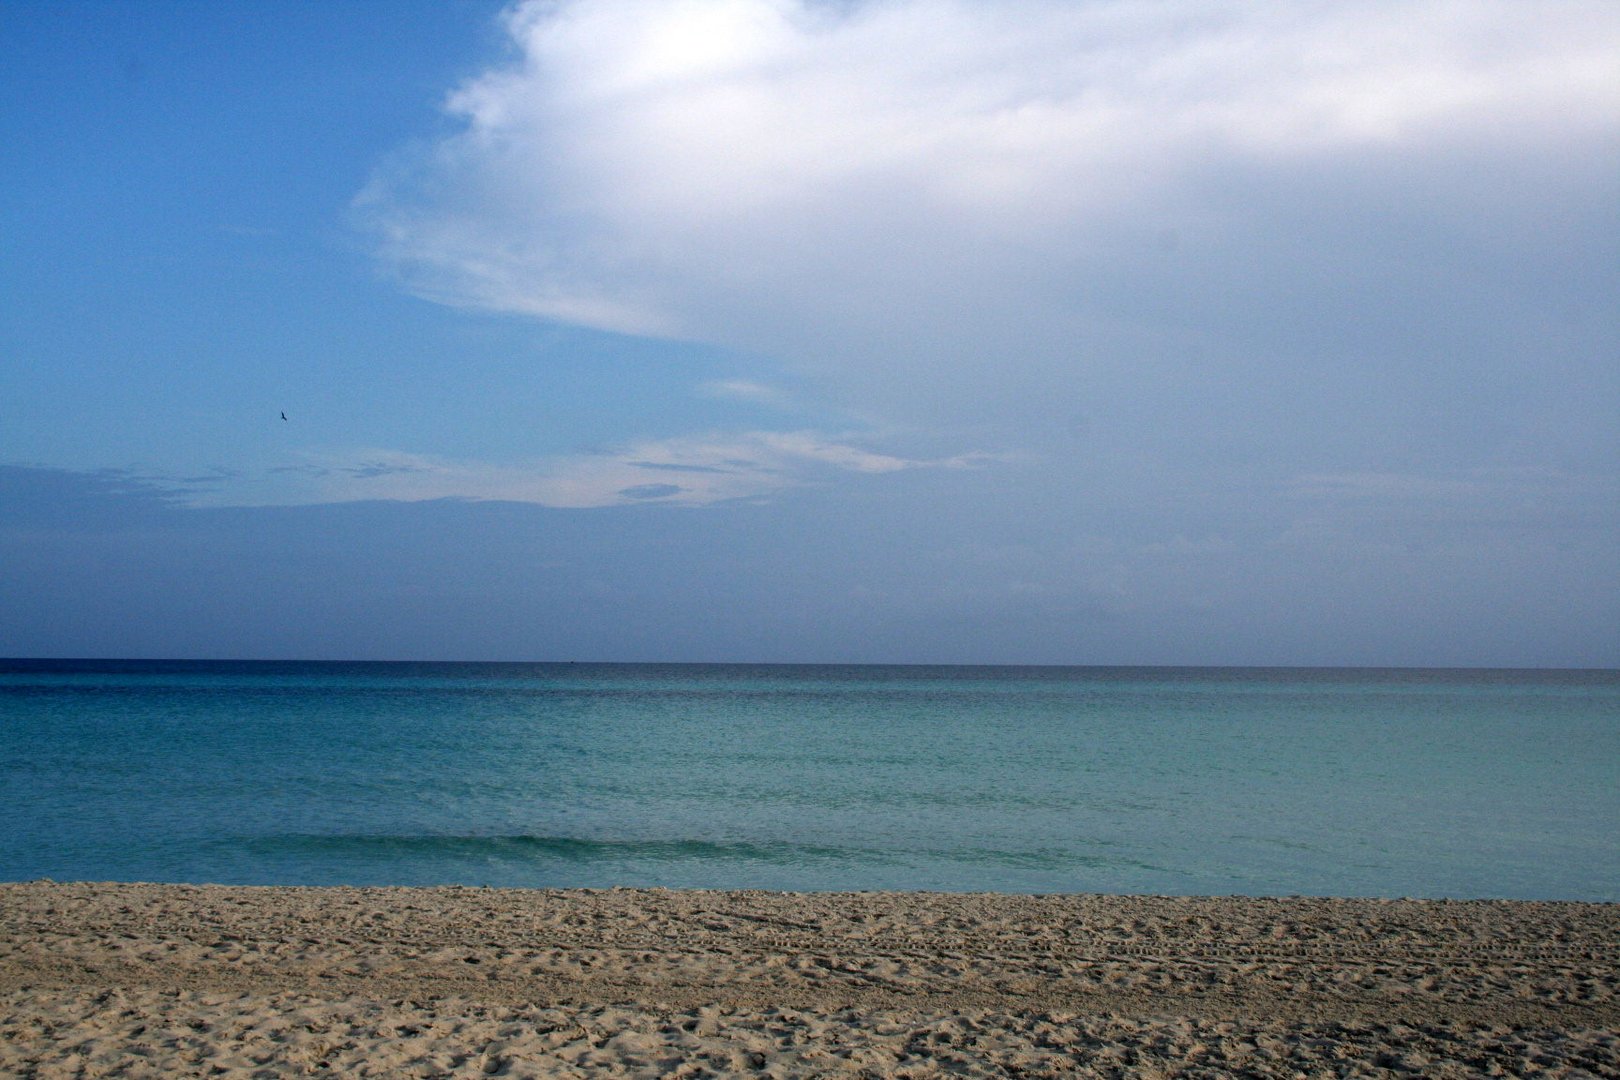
(284, 416)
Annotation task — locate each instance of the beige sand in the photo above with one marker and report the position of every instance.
(149, 980)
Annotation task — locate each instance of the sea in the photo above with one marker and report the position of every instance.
(1189, 781)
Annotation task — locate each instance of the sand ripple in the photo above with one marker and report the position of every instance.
(146, 980)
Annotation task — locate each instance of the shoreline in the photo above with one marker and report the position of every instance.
(139, 979)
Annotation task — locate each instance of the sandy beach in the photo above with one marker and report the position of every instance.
(166, 980)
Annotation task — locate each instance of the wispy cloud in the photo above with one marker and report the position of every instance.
(651, 491)
(1539, 497)
(748, 390)
(1452, 484)
(690, 471)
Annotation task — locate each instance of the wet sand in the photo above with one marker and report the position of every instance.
(165, 980)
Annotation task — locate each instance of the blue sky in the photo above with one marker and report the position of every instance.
(896, 330)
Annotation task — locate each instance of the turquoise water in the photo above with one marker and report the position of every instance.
(1192, 781)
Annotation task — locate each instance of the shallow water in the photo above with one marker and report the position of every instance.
(1191, 781)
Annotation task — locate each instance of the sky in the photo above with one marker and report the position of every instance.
(899, 331)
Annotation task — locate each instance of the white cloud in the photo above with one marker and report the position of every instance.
(804, 177)
(688, 471)
(748, 390)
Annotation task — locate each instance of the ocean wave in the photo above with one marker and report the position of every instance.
(588, 850)
(564, 848)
